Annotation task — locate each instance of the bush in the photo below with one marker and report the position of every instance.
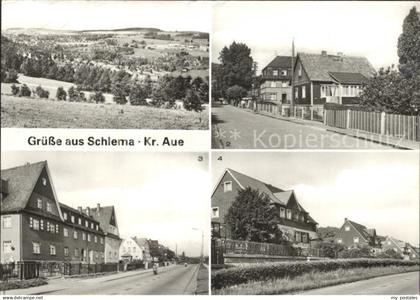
(61, 94)
(15, 89)
(192, 102)
(9, 77)
(41, 92)
(97, 97)
(22, 284)
(25, 91)
(264, 272)
(390, 253)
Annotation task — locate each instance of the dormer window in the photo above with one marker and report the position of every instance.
(289, 214)
(44, 181)
(39, 203)
(282, 212)
(227, 186)
(49, 207)
(300, 71)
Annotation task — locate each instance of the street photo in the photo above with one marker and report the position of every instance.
(104, 223)
(315, 75)
(315, 223)
(117, 65)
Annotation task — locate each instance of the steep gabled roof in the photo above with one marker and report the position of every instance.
(280, 62)
(363, 231)
(141, 242)
(103, 216)
(319, 67)
(21, 182)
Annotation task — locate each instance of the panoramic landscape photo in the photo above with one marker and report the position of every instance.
(120, 65)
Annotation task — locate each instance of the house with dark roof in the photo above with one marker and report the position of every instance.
(136, 248)
(294, 221)
(406, 250)
(275, 80)
(326, 78)
(107, 219)
(352, 234)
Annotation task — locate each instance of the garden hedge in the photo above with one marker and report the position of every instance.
(270, 271)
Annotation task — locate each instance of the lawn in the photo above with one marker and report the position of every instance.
(41, 113)
(312, 280)
(14, 284)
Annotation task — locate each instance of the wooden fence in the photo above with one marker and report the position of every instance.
(20, 270)
(286, 110)
(399, 126)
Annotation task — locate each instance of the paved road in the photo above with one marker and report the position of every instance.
(241, 129)
(399, 284)
(174, 280)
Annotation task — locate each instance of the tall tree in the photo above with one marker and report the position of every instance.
(253, 217)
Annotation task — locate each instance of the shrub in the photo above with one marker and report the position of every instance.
(192, 102)
(41, 92)
(25, 91)
(390, 253)
(22, 284)
(10, 76)
(263, 272)
(61, 94)
(15, 89)
(98, 97)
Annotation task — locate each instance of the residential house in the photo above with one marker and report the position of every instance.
(144, 245)
(31, 220)
(294, 221)
(406, 250)
(275, 80)
(83, 238)
(324, 78)
(107, 219)
(352, 234)
(130, 250)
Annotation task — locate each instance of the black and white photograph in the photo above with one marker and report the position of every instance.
(315, 223)
(315, 75)
(105, 64)
(104, 223)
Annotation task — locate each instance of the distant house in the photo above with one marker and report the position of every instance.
(352, 234)
(406, 250)
(130, 250)
(275, 80)
(325, 78)
(294, 221)
(144, 245)
(107, 219)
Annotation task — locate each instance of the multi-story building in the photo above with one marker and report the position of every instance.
(294, 221)
(275, 80)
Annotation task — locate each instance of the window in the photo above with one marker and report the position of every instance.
(355, 240)
(65, 216)
(296, 93)
(36, 247)
(80, 221)
(31, 222)
(76, 252)
(42, 224)
(273, 96)
(296, 216)
(297, 236)
(284, 84)
(284, 72)
(92, 225)
(339, 241)
(83, 236)
(75, 235)
(72, 219)
(303, 91)
(300, 71)
(272, 84)
(282, 212)
(44, 181)
(301, 218)
(66, 232)
(347, 228)
(49, 207)
(227, 186)
(289, 214)
(96, 239)
(389, 242)
(97, 227)
(66, 251)
(7, 247)
(305, 237)
(39, 203)
(57, 229)
(35, 224)
(86, 223)
(7, 222)
(275, 72)
(88, 236)
(102, 240)
(214, 212)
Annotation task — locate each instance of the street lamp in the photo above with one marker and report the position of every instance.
(202, 244)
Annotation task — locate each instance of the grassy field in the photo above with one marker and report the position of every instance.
(310, 281)
(40, 113)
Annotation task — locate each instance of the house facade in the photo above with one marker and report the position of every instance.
(352, 234)
(275, 80)
(130, 250)
(144, 245)
(405, 250)
(325, 78)
(106, 217)
(295, 222)
(35, 226)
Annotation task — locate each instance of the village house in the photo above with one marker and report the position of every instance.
(35, 226)
(144, 244)
(352, 234)
(275, 80)
(107, 219)
(295, 222)
(325, 78)
(406, 250)
(131, 250)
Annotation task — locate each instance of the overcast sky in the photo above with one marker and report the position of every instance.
(83, 15)
(377, 189)
(368, 29)
(156, 195)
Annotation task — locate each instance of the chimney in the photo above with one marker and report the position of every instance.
(345, 219)
(88, 211)
(79, 208)
(323, 52)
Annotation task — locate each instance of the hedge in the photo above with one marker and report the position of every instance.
(270, 271)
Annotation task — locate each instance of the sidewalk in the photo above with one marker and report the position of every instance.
(395, 142)
(203, 280)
